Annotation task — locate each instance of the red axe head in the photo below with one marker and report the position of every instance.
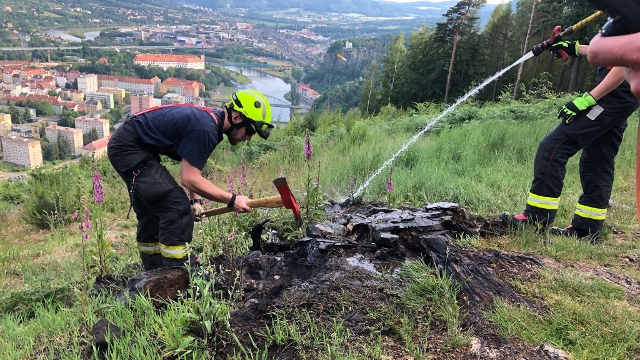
(287, 198)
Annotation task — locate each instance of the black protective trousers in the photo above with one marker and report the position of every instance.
(165, 220)
(598, 133)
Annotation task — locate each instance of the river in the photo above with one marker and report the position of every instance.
(269, 85)
(89, 35)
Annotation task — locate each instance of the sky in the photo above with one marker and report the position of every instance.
(488, 1)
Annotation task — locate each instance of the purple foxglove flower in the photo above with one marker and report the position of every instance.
(308, 149)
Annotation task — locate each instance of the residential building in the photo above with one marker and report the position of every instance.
(72, 75)
(58, 106)
(88, 83)
(90, 106)
(307, 92)
(105, 98)
(142, 102)
(97, 149)
(86, 123)
(74, 136)
(77, 96)
(170, 60)
(188, 88)
(172, 98)
(22, 151)
(109, 81)
(137, 85)
(118, 94)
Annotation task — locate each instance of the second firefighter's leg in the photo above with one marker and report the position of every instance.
(549, 170)
(597, 165)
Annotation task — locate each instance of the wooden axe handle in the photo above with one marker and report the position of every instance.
(268, 202)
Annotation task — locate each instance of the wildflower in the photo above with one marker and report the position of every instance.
(308, 149)
(230, 181)
(97, 187)
(75, 215)
(390, 182)
(351, 187)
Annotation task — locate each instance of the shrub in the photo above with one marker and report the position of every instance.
(52, 194)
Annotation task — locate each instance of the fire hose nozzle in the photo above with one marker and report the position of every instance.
(558, 33)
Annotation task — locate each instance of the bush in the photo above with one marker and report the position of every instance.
(51, 194)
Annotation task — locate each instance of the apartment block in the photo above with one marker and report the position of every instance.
(74, 136)
(88, 83)
(105, 98)
(187, 88)
(76, 96)
(86, 123)
(170, 60)
(143, 102)
(91, 106)
(118, 94)
(22, 151)
(132, 85)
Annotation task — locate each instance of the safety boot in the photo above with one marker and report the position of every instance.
(571, 231)
(520, 221)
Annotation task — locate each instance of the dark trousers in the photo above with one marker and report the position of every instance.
(165, 221)
(599, 137)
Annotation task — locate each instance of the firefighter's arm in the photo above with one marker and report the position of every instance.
(609, 83)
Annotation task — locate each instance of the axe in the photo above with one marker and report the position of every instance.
(285, 199)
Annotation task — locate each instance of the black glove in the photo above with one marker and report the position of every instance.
(576, 106)
(563, 48)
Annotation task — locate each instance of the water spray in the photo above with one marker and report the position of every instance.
(557, 34)
(415, 137)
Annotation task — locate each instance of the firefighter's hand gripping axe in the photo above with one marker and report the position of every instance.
(285, 199)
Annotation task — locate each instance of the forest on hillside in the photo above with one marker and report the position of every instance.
(414, 68)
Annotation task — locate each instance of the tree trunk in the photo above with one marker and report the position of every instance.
(524, 51)
(573, 77)
(453, 54)
(535, 65)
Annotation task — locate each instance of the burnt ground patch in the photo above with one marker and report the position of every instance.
(346, 271)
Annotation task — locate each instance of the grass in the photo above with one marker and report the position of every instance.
(47, 13)
(480, 158)
(79, 32)
(590, 318)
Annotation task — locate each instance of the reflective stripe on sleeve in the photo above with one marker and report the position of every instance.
(543, 202)
(590, 212)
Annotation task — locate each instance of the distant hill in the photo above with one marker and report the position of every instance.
(420, 10)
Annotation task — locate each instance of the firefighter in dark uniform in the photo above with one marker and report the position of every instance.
(593, 123)
(188, 134)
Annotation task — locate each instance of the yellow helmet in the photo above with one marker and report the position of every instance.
(255, 109)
